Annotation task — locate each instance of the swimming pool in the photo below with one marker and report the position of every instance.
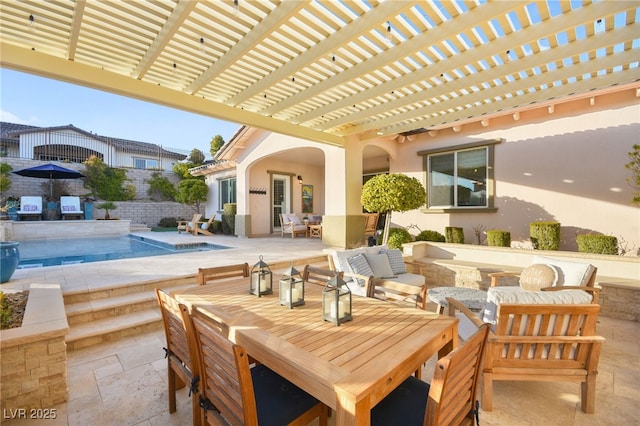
(36, 254)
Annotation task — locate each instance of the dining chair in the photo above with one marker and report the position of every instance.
(206, 275)
(234, 393)
(449, 400)
(180, 368)
(318, 276)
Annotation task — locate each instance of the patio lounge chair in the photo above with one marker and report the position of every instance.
(184, 225)
(30, 207)
(70, 206)
(201, 227)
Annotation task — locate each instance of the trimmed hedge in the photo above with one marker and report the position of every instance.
(497, 238)
(229, 218)
(429, 235)
(454, 234)
(398, 237)
(545, 235)
(599, 244)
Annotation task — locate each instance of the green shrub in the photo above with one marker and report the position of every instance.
(398, 237)
(429, 235)
(545, 235)
(168, 222)
(160, 188)
(498, 238)
(600, 244)
(229, 218)
(5, 310)
(216, 227)
(453, 234)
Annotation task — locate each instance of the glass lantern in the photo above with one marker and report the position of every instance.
(260, 279)
(336, 301)
(291, 288)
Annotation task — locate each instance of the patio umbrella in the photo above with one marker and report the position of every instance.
(50, 171)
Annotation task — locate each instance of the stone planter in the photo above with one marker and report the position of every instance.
(9, 258)
(33, 369)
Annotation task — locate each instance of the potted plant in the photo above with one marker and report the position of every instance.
(107, 205)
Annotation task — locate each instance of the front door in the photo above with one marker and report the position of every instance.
(281, 200)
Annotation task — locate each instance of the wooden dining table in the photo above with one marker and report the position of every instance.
(350, 367)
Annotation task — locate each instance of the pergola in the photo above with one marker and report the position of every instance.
(330, 71)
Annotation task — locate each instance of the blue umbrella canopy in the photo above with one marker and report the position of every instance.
(50, 171)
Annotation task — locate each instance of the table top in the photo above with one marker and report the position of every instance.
(472, 298)
(349, 367)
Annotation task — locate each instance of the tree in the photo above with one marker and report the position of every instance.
(5, 178)
(192, 192)
(392, 192)
(634, 180)
(216, 143)
(107, 183)
(196, 157)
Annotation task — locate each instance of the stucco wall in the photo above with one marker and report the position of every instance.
(568, 166)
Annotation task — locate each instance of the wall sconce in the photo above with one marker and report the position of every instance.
(300, 179)
(336, 301)
(291, 288)
(260, 279)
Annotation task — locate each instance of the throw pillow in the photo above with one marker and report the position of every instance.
(395, 260)
(537, 277)
(359, 265)
(380, 265)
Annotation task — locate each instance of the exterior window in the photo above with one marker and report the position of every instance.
(227, 191)
(458, 178)
(145, 163)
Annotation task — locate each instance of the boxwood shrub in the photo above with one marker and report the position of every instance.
(545, 235)
(429, 235)
(499, 238)
(398, 237)
(600, 244)
(454, 234)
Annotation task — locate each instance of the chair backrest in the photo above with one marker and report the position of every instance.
(206, 275)
(544, 336)
(196, 218)
(69, 204)
(318, 276)
(452, 395)
(174, 327)
(370, 223)
(31, 204)
(221, 361)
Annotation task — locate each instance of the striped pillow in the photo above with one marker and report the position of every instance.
(359, 265)
(395, 260)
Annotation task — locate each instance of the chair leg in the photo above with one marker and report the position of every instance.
(588, 394)
(487, 392)
(171, 387)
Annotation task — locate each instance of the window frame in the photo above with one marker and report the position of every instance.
(489, 145)
(227, 179)
(146, 163)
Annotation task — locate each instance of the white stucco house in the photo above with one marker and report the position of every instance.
(561, 160)
(71, 144)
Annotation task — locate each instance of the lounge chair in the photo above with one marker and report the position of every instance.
(201, 227)
(184, 225)
(30, 207)
(70, 206)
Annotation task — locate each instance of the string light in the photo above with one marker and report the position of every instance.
(201, 49)
(388, 36)
(32, 22)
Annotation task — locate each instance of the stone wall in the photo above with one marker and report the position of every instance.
(147, 213)
(33, 372)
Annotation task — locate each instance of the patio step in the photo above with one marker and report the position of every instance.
(104, 315)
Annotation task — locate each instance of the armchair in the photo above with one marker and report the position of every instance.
(291, 224)
(540, 342)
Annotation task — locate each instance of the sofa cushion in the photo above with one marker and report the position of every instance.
(515, 295)
(360, 265)
(395, 260)
(538, 276)
(569, 273)
(380, 265)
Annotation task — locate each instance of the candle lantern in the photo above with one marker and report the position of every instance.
(291, 288)
(336, 301)
(260, 279)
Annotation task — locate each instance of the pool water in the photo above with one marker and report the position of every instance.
(35, 254)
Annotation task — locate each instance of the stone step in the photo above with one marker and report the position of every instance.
(96, 332)
(106, 307)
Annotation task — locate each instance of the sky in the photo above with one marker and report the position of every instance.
(43, 102)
